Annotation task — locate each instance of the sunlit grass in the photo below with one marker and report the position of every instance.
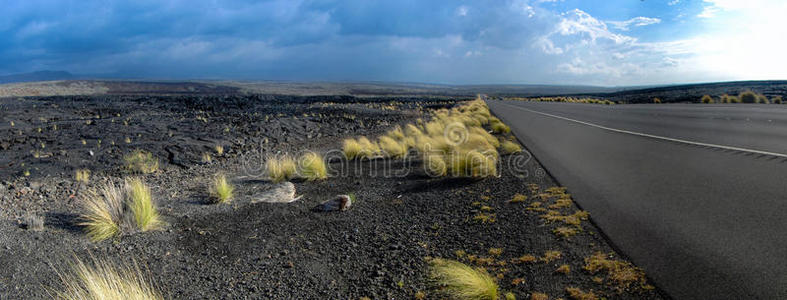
(103, 281)
(141, 205)
(311, 166)
(281, 168)
(460, 281)
(82, 175)
(392, 147)
(103, 212)
(141, 161)
(221, 191)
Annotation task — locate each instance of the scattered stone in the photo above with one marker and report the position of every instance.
(281, 193)
(339, 203)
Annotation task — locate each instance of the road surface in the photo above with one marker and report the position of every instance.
(694, 194)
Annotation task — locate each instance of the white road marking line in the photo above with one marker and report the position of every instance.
(653, 136)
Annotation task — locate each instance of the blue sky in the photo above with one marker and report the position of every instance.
(610, 42)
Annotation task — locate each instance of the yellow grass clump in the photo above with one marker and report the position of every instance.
(281, 168)
(141, 205)
(312, 166)
(510, 147)
(110, 209)
(221, 190)
(82, 175)
(460, 281)
(102, 280)
(392, 147)
(141, 161)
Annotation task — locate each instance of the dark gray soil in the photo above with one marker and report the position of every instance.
(377, 249)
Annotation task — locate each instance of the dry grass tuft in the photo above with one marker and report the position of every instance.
(539, 296)
(101, 280)
(707, 99)
(510, 147)
(435, 165)
(621, 273)
(563, 269)
(460, 281)
(391, 147)
(82, 175)
(104, 212)
(141, 161)
(221, 191)
(141, 205)
(311, 166)
(281, 168)
(578, 294)
(110, 209)
(518, 198)
(551, 255)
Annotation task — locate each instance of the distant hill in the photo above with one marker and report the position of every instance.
(36, 76)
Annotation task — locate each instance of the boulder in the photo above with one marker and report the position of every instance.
(281, 193)
(339, 203)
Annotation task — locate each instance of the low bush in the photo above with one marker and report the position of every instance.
(707, 99)
(435, 165)
(748, 97)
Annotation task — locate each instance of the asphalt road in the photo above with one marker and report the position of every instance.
(704, 222)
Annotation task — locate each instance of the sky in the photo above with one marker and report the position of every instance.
(604, 42)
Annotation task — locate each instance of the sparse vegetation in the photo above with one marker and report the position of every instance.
(219, 150)
(101, 280)
(566, 99)
(578, 294)
(311, 166)
(460, 281)
(621, 273)
(281, 168)
(656, 100)
(141, 161)
(221, 191)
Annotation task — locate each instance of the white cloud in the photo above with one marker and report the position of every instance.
(461, 11)
(636, 22)
(673, 2)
